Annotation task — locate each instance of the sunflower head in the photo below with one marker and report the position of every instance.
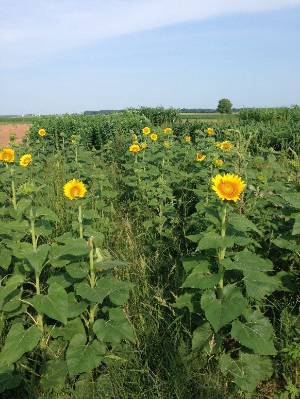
(153, 136)
(25, 160)
(210, 131)
(134, 148)
(146, 130)
(200, 157)
(7, 155)
(74, 189)
(42, 132)
(167, 130)
(228, 187)
(225, 146)
(187, 139)
(218, 162)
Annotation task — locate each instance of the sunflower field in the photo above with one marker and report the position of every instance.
(150, 261)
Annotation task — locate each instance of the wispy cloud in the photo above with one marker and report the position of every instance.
(34, 29)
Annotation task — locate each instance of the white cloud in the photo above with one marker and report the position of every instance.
(31, 29)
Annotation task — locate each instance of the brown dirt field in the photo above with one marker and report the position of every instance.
(19, 129)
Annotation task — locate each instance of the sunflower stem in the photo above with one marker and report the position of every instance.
(39, 318)
(93, 308)
(222, 250)
(80, 221)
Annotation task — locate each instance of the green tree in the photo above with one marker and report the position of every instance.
(225, 106)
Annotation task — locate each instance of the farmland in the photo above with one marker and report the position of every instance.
(151, 255)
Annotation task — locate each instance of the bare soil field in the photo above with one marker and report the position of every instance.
(6, 130)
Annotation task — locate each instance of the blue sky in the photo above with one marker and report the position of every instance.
(61, 56)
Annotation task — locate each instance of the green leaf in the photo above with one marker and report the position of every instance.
(54, 305)
(75, 308)
(8, 380)
(201, 280)
(259, 284)
(256, 334)
(18, 342)
(64, 254)
(289, 244)
(220, 312)
(292, 198)
(118, 291)
(214, 241)
(241, 223)
(67, 332)
(249, 261)
(37, 259)
(183, 301)
(201, 336)
(54, 375)
(115, 329)
(82, 357)
(296, 228)
(77, 270)
(5, 259)
(248, 371)
(189, 263)
(8, 291)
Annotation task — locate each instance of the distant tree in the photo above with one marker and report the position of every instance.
(225, 106)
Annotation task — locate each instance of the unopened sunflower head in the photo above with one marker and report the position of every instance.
(143, 146)
(210, 131)
(218, 162)
(228, 187)
(167, 143)
(7, 155)
(74, 189)
(187, 139)
(25, 160)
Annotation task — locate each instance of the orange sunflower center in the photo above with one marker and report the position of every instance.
(75, 191)
(227, 188)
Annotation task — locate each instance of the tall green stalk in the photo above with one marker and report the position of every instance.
(222, 250)
(80, 221)
(40, 322)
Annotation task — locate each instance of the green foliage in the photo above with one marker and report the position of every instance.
(224, 106)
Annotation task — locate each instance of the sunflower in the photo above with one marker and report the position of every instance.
(225, 146)
(210, 131)
(25, 160)
(228, 187)
(187, 139)
(200, 157)
(74, 189)
(42, 132)
(7, 155)
(153, 136)
(218, 162)
(167, 144)
(134, 148)
(167, 130)
(146, 130)
(143, 146)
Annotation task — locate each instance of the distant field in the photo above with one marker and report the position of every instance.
(208, 116)
(17, 119)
